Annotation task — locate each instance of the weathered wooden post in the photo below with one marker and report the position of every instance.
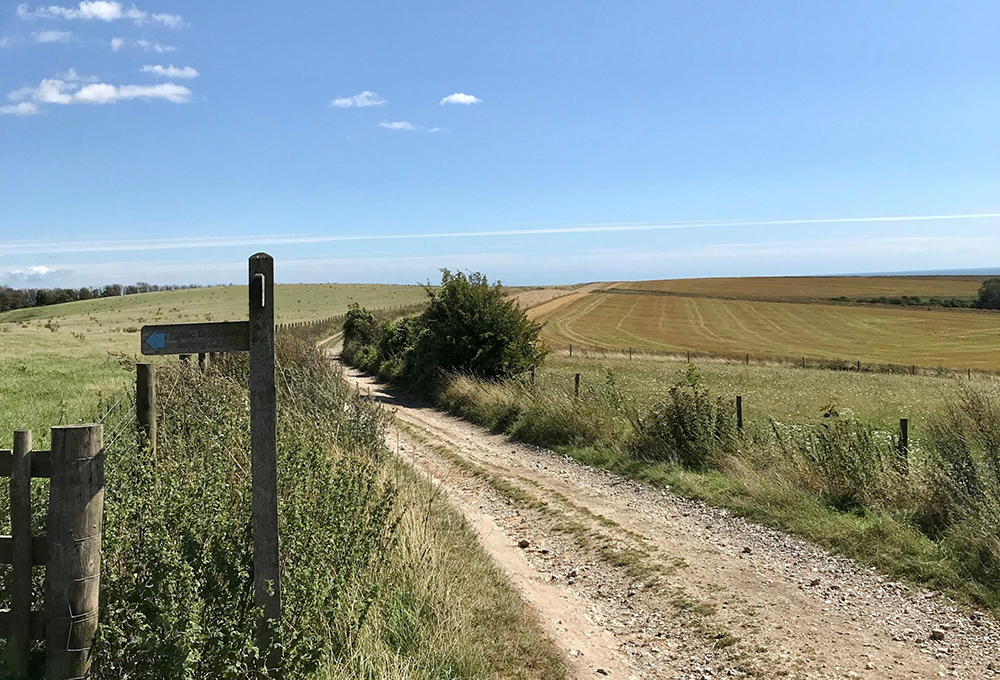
(913, 369)
(748, 359)
(803, 362)
(904, 445)
(145, 404)
(263, 456)
(73, 569)
(18, 633)
(630, 354)
(689, 356)
(576, 385)
(571, 350)
(739, 413)
(970, 374)
(202, 361)
(859, 364)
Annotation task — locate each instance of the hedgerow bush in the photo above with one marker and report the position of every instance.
(469, 327)
(689, 427)
(176, 597)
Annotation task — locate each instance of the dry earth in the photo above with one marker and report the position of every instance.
(635, 582)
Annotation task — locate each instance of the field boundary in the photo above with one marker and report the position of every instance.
(857, 366)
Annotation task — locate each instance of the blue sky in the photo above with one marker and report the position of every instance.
(167, 141)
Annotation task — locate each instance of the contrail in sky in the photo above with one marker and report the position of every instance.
(49, 247)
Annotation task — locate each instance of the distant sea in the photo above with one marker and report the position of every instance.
(989, 271)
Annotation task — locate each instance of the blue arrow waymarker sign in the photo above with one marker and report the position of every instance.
(157, 340)
(196, 338)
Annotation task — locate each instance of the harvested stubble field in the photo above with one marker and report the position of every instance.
(956, 339)
(816, 287)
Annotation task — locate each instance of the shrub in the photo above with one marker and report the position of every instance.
(689, 427)
(989, 295)
(851, 465)
(963, 450)
(471, 327)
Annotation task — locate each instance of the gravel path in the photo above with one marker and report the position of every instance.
(635, 582)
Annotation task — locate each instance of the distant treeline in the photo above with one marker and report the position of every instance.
(911, 301)
(21, 298)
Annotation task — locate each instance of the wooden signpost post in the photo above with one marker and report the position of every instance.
(255, 336)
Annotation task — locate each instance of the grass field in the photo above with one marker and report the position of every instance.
(787, 394)
(816, 287)
(56, 361)
(957, 339)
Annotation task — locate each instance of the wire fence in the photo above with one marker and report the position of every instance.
(117, 414)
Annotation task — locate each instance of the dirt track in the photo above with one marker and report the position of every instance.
(634, 582)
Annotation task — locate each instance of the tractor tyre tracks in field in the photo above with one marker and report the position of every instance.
(630, 581)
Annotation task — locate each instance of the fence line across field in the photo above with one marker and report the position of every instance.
(747, 359)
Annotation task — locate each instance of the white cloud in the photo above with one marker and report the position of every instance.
(171, 71)
(22, 109)
(365, 99)
(102, 93)
(71, 76)
(101, 10)
(52, 36)
(460, 98)
(171, 20)
(397, 125)
(145, 45)
(23, 276)
(71, 91)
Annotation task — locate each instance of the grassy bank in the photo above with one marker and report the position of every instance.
(832, 476)
(370, 586)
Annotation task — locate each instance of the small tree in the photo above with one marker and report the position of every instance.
(989, 295)
(359, 325)
(471, 326)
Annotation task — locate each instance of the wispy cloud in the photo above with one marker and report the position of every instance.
(171, 71)
(22, 109)
(360, 101)
(117, 43)
(36, 247)
(99, 10)
(806, 257)
(71, 90)
(397, 125)
(460, 98)
(52, 36)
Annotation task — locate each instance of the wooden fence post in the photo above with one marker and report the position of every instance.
(904, 444)
(748, 359)
(689, 356)
(630, 354)
(202, 361)
(739, 413)
(18, 635)
(263, 460)
(576, 385)
(145, 404)
(73, 532)
(571, 350)
(803, 362)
